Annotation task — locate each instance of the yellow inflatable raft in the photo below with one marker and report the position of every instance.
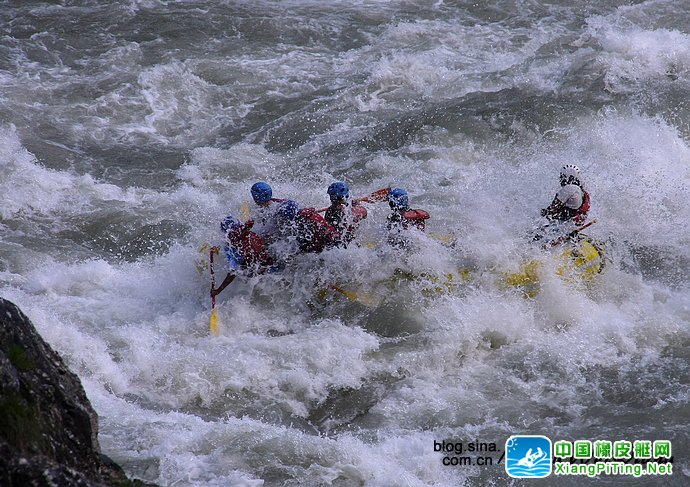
(578, 261)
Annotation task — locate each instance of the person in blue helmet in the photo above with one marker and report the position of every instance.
(285, 243)
(262, 193)
(301, 230)
(263, 222)
(268, 222)
(314, 233)
(402, 217)
(345, 220)
(285, 214)
(244, 250)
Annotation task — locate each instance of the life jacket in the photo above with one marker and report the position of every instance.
(400, 221)
(314, 233)
(248, 248)
(335, 215)
(581, 213)
(557, 210)
(265, 221)
(414, 218)
(359, 212)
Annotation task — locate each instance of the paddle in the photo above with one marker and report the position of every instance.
(214, 312)
(365, 299)
(376, 196)
(202, 263)
(562, 239)
(447, 239)
(245, 212)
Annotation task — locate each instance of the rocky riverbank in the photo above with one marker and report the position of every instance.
(48, 428)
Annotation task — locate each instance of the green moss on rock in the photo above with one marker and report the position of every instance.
(20, 359)
(19, 423)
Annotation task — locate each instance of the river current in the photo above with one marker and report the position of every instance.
(130, 129)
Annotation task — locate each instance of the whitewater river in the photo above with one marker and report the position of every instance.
(130, 128)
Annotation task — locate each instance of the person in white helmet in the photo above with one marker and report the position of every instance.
(571, 203)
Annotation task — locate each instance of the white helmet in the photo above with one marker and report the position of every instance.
(570, 174)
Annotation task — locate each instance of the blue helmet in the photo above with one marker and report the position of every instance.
(230, 223)
(398, 199)
(338, 191)
(261, 192)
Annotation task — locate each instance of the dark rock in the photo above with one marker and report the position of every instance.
(48, 429)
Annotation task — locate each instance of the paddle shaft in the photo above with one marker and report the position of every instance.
(378, 195)
(562, 239)
(348, 294)
(213, 250)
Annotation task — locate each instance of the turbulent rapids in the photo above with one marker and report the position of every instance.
(131, 129)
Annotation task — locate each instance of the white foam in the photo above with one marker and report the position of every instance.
(186, 408)
(634, 55)
(29, 187)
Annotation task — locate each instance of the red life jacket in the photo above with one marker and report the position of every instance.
(399, 221)
(415, 217)
(344, 225)
(359, 212)
(336, 212)
(581, 212)
(250, 247)
(314, 233)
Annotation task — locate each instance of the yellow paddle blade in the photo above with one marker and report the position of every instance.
(214, 322)
(322, 293)
(351, 295)
(447, 239)
(366, 299)
(202, 264)
(244, 212)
